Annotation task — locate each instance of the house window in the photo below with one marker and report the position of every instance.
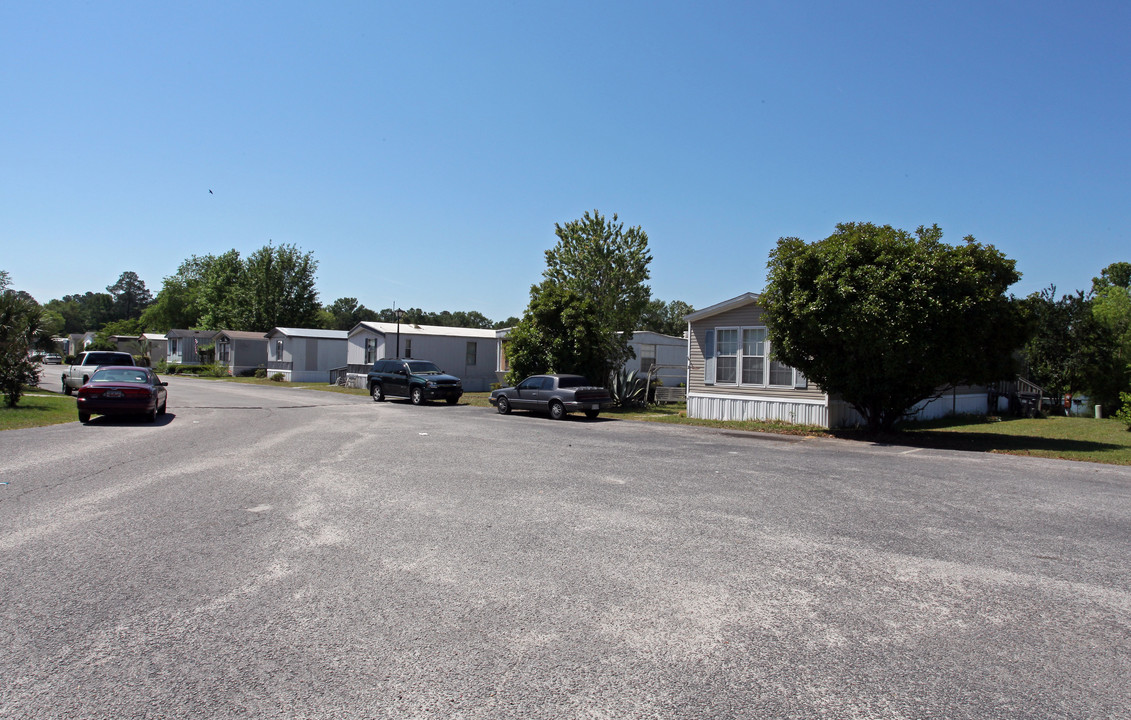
(753, 355)
(472, 351)
(278, 349)
(370, 350)
(408, 347)
(781, 374)
(726, 356)
(647, 357)
(173, 346)
(223, 351)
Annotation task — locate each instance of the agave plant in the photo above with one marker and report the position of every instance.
(627, 388)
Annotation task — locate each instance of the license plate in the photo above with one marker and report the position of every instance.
(594, 406)
(114, 393)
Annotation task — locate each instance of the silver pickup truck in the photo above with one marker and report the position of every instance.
(86, 363)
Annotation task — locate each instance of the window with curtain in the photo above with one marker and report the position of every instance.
(726, 356)
(753, 356)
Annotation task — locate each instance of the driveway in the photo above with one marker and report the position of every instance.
(284, 553)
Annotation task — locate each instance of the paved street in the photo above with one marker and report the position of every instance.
(285, 553)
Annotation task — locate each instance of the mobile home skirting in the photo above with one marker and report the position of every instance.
(950, 403)
(738, 407)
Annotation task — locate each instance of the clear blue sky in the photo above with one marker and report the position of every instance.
(423, 151)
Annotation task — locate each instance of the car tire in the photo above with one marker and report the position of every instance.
(592, 413)
(376, 392)
(164, 406)
(557, 410)
(503, 406)
(84, 417)
(451, 401)
(66, 388)
(416, 395)
(151, 416)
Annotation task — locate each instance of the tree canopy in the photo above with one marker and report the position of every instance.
(885, 318)
(601, 268)
(560, 332)
(666, 318)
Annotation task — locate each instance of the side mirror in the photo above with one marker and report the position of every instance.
(163, 383)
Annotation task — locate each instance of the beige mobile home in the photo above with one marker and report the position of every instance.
(732, 376)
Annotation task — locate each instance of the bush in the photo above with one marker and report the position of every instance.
(1124, 413)
(261, 373)
(627, 389)
(162, 366)
(278, 377)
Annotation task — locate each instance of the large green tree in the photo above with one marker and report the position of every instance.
(598, 259)
(885, 318)
(666, 318)
(561, 332)
(1110, 375)
(277, 290)
(1064, 343)
(130, 296)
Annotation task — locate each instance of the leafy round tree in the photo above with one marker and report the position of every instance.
(600, 260)
(560, 332)
(885, 319)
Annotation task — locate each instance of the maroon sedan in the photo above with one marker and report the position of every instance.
(122, 390)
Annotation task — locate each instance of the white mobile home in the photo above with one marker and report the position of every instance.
(305, 355)
(667, 352)
(470, 354)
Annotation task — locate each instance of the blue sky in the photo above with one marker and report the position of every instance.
(424, 151)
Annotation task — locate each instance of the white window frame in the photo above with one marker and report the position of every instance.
(737, 355)
(797, 380)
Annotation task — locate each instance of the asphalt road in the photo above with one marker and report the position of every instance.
(283, 553)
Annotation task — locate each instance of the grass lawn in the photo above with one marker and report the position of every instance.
(36, 411)
(1076, 438)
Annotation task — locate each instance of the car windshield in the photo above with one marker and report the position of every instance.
(423, 367)
(573, 381)
(117, 376)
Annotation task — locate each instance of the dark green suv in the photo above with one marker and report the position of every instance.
(417, 380)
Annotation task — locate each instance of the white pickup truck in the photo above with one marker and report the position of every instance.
(86, 363)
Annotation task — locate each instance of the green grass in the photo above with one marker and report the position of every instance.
(1086, 439)
(37, 411)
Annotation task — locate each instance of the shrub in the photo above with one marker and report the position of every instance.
(627, 389)
(278, 377)
(1124, 413)
(162, 366)
(260, 372)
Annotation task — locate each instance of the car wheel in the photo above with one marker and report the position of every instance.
(417, 396)
(376, 393)
(66, 388)
(161, 410)
(557, 410)
(504, 406)
(151, 416)
(592, 413)
(84, 417)
(451, 401)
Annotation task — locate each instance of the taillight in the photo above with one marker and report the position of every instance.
(135, 392)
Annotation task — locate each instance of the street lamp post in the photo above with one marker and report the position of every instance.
(400, 314)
